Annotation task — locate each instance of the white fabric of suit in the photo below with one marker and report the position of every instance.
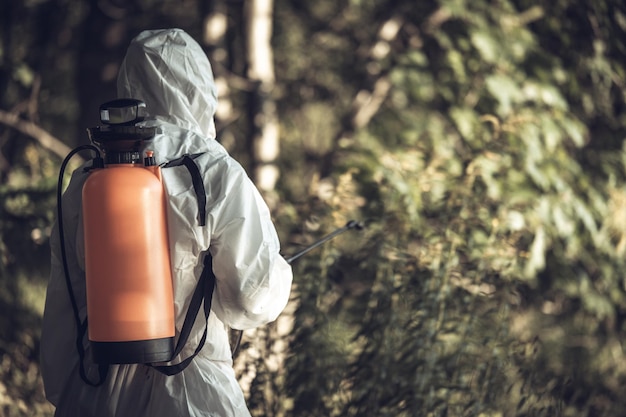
(169, 71)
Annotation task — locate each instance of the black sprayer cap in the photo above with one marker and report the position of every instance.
(124, 157)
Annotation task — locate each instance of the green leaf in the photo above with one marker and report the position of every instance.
(505, 90)
(537, 256)
(465, 121)
(486, 45)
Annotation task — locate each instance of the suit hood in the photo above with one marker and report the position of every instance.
(169, 71)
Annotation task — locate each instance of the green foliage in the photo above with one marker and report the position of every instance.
(498, 251)
(26, 210)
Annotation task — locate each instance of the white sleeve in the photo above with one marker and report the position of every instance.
(253, 279)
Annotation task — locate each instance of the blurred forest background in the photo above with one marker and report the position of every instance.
(481, 142)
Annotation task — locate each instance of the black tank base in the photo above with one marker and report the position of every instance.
(136, 351)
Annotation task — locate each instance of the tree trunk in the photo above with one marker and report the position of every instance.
(264, 121)
(214, 36)
(260, 365)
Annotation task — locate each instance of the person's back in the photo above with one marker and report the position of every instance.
(169, 71)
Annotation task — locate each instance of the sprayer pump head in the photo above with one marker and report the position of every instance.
(123, 112)
(120, 138)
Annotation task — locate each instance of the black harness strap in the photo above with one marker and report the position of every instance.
(196, 180)
(203, 291)
(206, 282)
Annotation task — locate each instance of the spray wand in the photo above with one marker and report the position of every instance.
(352, 224)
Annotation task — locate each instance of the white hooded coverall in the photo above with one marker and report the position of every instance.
(169, 71)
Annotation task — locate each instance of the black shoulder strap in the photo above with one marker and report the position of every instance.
(203, 292)
(196, 179)
(206, 283)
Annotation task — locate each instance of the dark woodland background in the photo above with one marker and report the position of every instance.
(481, 142)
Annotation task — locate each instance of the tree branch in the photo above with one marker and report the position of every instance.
(44, 138)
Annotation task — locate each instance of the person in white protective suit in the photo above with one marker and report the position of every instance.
(169, 71)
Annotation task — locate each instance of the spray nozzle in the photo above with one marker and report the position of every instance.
(353, 224)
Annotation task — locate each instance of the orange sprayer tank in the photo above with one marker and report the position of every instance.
(130, 302)
(129, 284)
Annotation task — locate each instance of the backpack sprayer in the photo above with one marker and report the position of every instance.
(129, 289)
(130, 304)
